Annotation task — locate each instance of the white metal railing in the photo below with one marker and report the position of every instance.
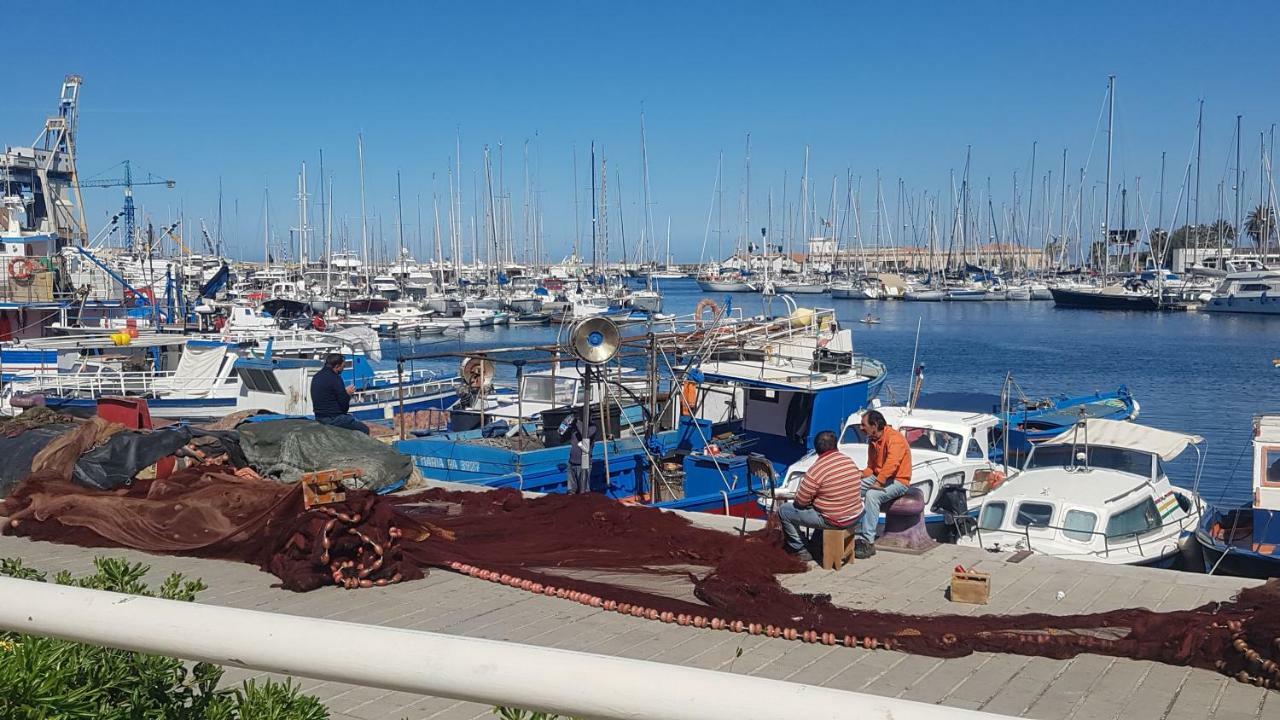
(106, 380)
(484, 671)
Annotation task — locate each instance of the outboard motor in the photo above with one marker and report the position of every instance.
(953, 504)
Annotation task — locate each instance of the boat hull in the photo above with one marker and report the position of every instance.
(1094, 300)
(925, 296)
(1243, 306)
(729, 286)
(802, 289)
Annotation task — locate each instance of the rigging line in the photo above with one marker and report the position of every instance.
(1093, 144)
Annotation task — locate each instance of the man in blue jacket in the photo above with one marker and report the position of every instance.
(331, 399)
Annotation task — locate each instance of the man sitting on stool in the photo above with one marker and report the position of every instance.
(887, 476)
(828, 497)
(330, 400)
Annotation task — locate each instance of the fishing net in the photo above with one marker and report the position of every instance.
(589, 549)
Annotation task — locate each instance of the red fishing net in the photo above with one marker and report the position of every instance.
(589, 549)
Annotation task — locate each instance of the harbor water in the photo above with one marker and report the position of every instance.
(1191, 372)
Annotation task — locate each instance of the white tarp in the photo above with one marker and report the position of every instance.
(1116, 433)
(198, 368)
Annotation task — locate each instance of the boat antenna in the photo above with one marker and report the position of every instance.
(915, 352)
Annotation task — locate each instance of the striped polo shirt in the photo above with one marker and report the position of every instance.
(833, 486)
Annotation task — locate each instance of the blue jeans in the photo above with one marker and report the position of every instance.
(872, 498)
(793, 518)
(345, 421)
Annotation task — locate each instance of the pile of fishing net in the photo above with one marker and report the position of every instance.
(591, 550)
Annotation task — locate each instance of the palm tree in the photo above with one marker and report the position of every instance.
(1260, 225)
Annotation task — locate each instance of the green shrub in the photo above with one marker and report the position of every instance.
(42, 678)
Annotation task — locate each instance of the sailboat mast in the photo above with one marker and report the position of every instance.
(435, 208)
(594, 209)
(328, 242)
(648, 219)
(1239, 180)
(364, 224)
(1106, 200)
(577, 210)
(266, 228)
(1062, 234)
(1031, 190)
(400, 226)
(1199, 137)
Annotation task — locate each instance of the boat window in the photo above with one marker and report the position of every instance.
(1271, 461)
(1033, 514)
(936, 440)
(557, 391)
(992, 516)
(1078, 525)
(763, 395)
(1141, 518)
(1253, 287)
(260, 380)
(975, 450)
(1135, 462)
(852, 436)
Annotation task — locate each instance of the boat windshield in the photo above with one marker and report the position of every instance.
(557, 391)
(1135, 462)
(936, 440)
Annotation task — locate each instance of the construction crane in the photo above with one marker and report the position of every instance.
(128, 183)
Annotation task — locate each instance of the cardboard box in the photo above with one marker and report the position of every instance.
(970, 587)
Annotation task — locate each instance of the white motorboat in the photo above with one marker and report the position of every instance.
(1097, 493)
(1255, 291)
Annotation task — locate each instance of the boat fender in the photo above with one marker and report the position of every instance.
(27, 400)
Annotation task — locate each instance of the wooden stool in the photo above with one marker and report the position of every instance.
(837, 549)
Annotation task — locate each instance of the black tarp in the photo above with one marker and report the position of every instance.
(115, 462)
(19, 450)
(285, 449)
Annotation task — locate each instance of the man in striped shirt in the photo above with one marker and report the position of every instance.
(829, 497)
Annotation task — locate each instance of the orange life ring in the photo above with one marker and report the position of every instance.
(22, 268)
(706, 304)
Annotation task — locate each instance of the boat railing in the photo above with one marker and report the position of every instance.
(110, 381)
(1183, 524)
(411, 388)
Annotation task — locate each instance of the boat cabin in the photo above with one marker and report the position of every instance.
(1098, 492)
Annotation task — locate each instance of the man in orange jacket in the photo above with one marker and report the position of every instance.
(886, 477)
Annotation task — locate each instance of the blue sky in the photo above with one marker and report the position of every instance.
(246, 91)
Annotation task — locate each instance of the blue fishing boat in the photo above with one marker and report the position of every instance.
(1028, 421)
(1245, 541)
(762, 389)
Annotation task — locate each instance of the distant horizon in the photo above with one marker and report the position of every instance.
(240, 95)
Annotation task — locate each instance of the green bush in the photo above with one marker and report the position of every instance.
(43, 678)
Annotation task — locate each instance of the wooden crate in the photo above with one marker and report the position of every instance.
(970, 587)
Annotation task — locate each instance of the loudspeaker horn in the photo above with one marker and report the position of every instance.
(595, 340)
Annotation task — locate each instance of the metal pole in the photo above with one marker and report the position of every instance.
(400, 385)
(483, 671)
(520, 402)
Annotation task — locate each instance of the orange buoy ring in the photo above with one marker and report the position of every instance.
(22, 268)
(706, 304)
